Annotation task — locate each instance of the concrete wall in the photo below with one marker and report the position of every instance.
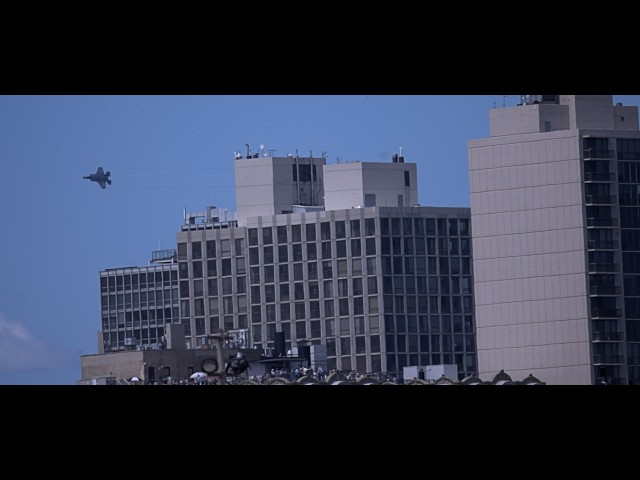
(346, 184)
(528, 119)
(625, 118)
(529, 257)
(265, 186)
(589, 111)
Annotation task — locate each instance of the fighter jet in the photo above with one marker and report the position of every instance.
(101, 177)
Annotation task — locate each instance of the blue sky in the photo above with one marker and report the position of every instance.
(167, 153)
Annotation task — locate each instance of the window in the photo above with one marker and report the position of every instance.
(297, 252)
(355, 228)
(340, 229)
(343, 305)
(225, 248)
(283, 273)
(211, 249)
(269, 293)
(370, 227)
(357, 286)
(407, 179)
(253, 236)
(356, 266)
(370, 246)
(182, 252)
(196, 250)
(328, 288)
(326, 250)
(267, 254)
(283, 254)
(369, 200)
(226, 267)
(310, 230)
(267, 238)
(269, 274)
(296, 233)
(327, 270)
(282, 234)
(284, 292)
(297, 271)
(183, 269)
(241, 268)
(254, 256)
(312, 253)
(285, 311)
(356, 248)
(227, 286)
(239, 246)
(254, 275)
(305, 172)
(342, 268)
(329, 310)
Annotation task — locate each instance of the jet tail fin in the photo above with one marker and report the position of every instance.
(109, 181)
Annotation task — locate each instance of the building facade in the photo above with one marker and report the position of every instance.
(555, 202)
(137, 302)
(382, 286)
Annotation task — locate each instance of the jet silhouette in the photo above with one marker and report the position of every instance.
(101, 177)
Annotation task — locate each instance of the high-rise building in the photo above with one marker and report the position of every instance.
(555, 203)
(337, 255)
(137, 302)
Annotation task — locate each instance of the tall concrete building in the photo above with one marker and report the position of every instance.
(334, 255)
(555, 203)
(137, 303)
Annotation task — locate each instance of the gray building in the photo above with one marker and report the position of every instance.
(556, 240)
(137, 302)
(380, 281)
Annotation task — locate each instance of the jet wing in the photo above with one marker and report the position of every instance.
(102, 183)
(100, 172)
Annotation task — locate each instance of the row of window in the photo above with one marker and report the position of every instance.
(122, 301)
(433, 304)
(402, 343)
(139, 318)
(136, 281)
(406, 266)
(419, 227)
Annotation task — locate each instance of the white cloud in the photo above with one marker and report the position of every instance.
(21, 351)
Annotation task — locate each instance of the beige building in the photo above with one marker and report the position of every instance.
(554, 202)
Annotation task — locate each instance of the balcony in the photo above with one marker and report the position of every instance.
(600, 200)
(599, 177)
(602, 222)
(602, 245)
(603, 267)
(608, 359)
(606, 313)
(602, 290)
(607, 337)
(590, 153)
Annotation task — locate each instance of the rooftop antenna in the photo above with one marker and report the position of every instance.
(261, 149)
(248, 151)
(324, 153)
(400, 151)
